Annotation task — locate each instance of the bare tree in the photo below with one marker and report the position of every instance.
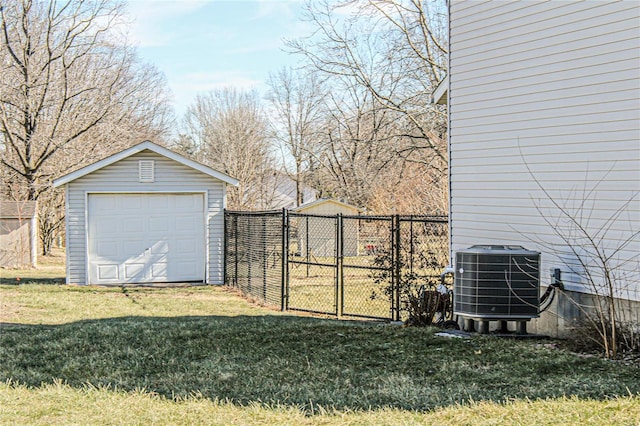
(297, 103)
(70, 93)
(227, 130)
(50, 218)
(356, 149)
(391, 53)
(407, 187)
(395, 49)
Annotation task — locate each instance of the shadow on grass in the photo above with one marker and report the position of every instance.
(301, 362)
(29, 280)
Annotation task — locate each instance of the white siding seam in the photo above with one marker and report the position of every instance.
(548, 82)
(594, 41)
(523, 126)
(620, 105)
(562, 65)
(551, 22)
(487, 10)
(623, 95)
(540, 139)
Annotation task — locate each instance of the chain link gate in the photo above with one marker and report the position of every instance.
(352, 266)
(313, 279)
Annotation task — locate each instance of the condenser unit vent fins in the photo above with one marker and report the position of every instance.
(497, 283)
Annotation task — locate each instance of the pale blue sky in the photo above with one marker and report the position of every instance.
(201, 45)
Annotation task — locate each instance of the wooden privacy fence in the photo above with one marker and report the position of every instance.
(346, 266)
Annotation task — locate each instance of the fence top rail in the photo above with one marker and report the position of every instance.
(403, 218)
(253, 213)
(323, 216)
(423, 218)
(368, 217)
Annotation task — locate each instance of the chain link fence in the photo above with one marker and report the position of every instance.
(254, 261)
(336, 265)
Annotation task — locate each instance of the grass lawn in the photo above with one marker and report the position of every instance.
(50, 270)
(313, 288)
(201, 355)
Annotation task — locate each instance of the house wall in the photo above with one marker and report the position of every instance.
(122, 176)
(544, 107)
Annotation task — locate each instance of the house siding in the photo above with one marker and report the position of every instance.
(122, 176)
(546, 92)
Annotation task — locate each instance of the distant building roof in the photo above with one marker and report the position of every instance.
(286, 192)
(310, 205)
(17, 209)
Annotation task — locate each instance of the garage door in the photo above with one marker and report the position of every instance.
(142, 238)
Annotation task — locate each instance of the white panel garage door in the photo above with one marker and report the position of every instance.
(137, 238)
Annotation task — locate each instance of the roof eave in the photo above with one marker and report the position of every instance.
(439, 96)
(321, 201)
(139, 148)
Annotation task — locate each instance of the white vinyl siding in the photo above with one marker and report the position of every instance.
(549, 90)
(122, 177)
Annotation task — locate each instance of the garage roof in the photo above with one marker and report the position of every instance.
(136, 149)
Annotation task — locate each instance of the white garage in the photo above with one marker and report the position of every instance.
(145, 215)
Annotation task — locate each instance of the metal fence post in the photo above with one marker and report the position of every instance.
(392, 252)
(411, 243)
(235, 251)
(265, 259)
(397, 267)
(285, 261)
(306, 242)
(225, 248)
(249, 254)
(339, 269)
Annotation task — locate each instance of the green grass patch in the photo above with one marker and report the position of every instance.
(50, 270)
(62, 404)
(201, 350)
(43, 304)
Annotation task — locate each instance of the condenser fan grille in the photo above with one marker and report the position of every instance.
(497, 282)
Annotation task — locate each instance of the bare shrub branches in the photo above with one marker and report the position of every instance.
(601, 252)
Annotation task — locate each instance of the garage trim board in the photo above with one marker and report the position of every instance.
(146, 237)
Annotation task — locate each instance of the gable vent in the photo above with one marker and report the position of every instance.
(146, 171)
